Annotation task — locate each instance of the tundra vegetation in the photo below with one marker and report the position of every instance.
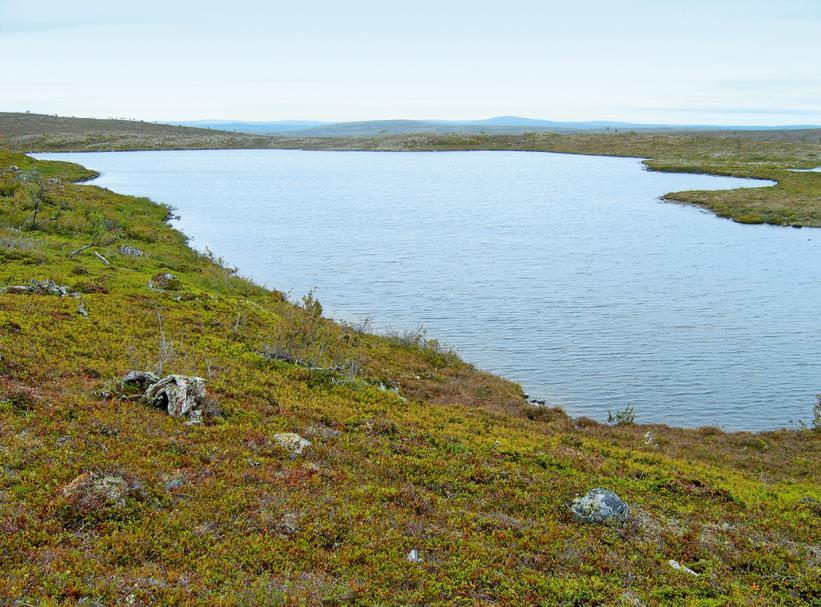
(335, 466)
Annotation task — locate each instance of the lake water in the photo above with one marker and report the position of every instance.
(564, 273)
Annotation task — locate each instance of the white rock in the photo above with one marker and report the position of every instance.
(679, 567)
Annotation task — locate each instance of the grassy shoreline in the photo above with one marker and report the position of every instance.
(412, 449)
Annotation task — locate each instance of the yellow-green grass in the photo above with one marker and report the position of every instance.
(456, 465)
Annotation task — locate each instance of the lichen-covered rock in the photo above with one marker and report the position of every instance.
(95, 494)
(180, 396)
(130, 251)
(40, 287)
(291, 441)
(164, 282)
(600, 506)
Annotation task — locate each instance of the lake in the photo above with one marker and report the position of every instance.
(564, 273)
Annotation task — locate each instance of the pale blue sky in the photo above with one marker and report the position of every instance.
(671, 61)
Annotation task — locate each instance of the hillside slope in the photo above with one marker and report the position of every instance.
(30, 132)
(426, 481)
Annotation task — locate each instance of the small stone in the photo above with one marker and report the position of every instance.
(649, 438)
(175, 483)
(130, 251)
(413, 556)
(291, 441)
(679, 567)
(600, 506)
(82, 310)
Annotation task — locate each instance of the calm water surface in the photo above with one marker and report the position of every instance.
(564, 273)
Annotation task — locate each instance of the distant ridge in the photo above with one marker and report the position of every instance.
(254, 128)
(498, 125)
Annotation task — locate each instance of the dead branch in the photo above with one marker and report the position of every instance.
(80, 250)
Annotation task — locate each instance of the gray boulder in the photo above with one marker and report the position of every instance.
(600, 506)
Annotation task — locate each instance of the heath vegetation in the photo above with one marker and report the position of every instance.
(342, 467)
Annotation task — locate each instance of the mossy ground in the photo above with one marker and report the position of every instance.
(455, 465)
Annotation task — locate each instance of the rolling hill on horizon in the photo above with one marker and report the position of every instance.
(497, 125)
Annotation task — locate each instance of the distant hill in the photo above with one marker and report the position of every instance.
(498, 125)
(14, 124)
(374, 128)
(253, 128)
